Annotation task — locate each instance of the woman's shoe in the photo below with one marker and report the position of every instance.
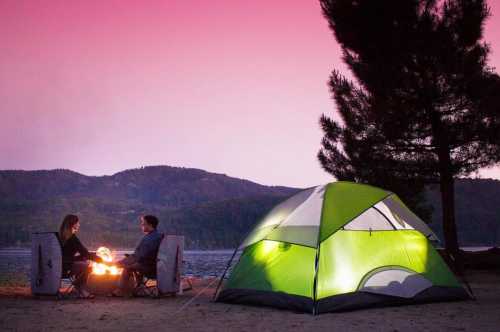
(85, 294)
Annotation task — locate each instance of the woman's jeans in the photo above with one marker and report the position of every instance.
(80, 270)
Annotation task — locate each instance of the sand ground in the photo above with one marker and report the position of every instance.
(20, 312)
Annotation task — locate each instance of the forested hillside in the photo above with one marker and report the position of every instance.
(211, 210)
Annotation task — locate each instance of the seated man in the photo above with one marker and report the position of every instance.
(143, 260)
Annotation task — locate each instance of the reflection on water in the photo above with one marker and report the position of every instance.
(15, 264)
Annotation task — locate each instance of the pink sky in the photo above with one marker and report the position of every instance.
(228, 86)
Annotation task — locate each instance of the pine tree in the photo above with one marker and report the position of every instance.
(423, 106)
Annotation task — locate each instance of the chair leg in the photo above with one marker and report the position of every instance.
(190, 284)
(143, 289)
(153, 292)
(68, 291)
(143, 286)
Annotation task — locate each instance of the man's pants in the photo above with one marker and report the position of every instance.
(127, 282)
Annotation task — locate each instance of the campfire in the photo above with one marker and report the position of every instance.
(106, 267)
(105, 276)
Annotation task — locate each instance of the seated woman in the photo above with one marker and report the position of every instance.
(73, 264)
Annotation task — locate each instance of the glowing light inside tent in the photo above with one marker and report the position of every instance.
(265, 249)
(106, 267)
(417, 245)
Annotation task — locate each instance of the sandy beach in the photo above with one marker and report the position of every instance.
(20, 312)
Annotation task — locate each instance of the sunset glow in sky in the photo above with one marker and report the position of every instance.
(233, 87)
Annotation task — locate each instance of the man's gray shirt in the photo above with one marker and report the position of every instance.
(147, 250)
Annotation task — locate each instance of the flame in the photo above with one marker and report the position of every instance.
(105, 254)
(106, 267)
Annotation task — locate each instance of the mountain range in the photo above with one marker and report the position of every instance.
(211, 210)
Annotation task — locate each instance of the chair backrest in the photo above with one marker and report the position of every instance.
(152, 274)
(169, 264)
(46, 263)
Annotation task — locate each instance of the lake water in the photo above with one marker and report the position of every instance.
(15, 264)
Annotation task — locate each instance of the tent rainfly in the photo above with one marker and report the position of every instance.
(340, 246)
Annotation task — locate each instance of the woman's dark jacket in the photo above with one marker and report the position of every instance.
(71, 248)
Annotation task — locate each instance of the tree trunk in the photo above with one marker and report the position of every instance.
(447, 187)
(449, 224)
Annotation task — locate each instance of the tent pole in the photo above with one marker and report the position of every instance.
(224, 274)
(316, 267)
(230, 260)
(316, 261)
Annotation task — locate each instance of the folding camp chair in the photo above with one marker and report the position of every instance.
(47, 275)
(166, 279)
(147, 285)
(46, 264)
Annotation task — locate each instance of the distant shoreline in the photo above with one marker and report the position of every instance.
(465, 248)
(120, 250)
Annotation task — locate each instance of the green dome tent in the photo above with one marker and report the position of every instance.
(336, 247)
